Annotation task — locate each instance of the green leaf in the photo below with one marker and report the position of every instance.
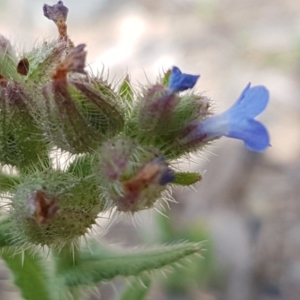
(105, 265)
(137, 290)
(187, 178)
(29, 275)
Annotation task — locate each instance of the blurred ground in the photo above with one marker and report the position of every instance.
(250, 202)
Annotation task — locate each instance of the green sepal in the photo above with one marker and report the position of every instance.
(6, 239)
(125, 91)
(8, 182)
(30, 275)
(190, 108)
(186, 178)
(99, 105)
(82, 166)
(28, 150)
(21, 141)
(166, 77)
(104, 265)
(44, 59)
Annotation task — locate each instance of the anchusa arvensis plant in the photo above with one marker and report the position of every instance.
(122, 144)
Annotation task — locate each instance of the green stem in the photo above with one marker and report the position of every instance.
(65, 259)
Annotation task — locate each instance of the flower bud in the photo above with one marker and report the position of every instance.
(115, 158)
(156, 108)
(75, 114)
(163, 112)
(134, 177)
(53, 208)
(145, 187)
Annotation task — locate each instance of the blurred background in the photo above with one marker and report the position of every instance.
(247, 207)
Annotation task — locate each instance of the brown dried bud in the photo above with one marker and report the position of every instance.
(43, 206)
(142, 191)
(154, 172)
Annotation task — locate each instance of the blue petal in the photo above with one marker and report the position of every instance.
(179, 82)
(253, 133)
(251, 102)
(237, 122)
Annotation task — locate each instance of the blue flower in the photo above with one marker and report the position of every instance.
(179, 82)
(237, 122)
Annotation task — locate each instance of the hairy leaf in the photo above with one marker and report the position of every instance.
(105, 265)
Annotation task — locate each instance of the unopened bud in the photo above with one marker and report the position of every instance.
(53, 208)
(156, 108)
(133, 176)
(76, 115)
(145, 187)
(115, 157)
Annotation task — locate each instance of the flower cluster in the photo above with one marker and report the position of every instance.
(123, 143)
